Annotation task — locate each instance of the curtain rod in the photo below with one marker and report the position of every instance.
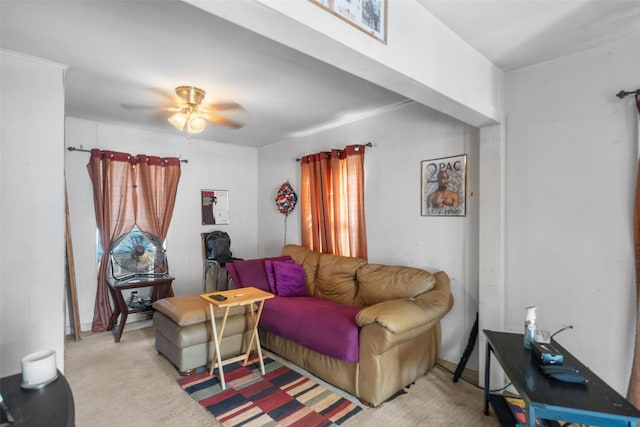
(88, 151)
(368, 144)
(624, 93)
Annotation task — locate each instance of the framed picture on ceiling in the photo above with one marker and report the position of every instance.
(369, 16)
(215, 207)
(443, 186)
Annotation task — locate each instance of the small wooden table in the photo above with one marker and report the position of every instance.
(235, 297)
(161, 286)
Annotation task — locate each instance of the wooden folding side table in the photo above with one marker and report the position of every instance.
(235, 297)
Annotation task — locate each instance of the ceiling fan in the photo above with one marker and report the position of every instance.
(193, 116)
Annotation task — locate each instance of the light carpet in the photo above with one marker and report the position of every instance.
(130, 384)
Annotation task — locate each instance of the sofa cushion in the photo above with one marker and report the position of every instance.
(379, 283)
(271, 277)
(323, 326)
(252, 272)
(310, 261)
(337, 278)
(289, 280)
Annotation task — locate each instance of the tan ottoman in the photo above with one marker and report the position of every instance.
(184, 336)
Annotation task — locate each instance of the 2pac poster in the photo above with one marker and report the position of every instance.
(443, 186)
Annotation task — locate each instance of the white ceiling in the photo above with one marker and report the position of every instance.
(126, 57)
(518, 33)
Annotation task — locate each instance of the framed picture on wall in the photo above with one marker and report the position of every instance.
(369, 16)
(443, 186)
(215, 207)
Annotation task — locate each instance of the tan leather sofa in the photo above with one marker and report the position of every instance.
(399, 321)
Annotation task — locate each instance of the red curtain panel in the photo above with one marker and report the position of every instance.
(128, 190)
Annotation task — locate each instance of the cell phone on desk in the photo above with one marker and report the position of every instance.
(218, 297)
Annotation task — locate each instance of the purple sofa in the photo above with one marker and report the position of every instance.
(369, 329)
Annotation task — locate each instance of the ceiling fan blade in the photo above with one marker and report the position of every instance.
(188, 101)
(222, 121)
(221, 106)
(169, 97)
(137, 107)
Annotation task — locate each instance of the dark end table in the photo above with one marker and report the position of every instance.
(594, 403)
(51, 405)
(161, 287)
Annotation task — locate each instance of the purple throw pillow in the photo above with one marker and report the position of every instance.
(290, 281)
(271, 276)
(251, 273)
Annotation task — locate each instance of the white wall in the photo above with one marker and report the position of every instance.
(421, 59)
(211, 165)
(396, 232)
(32, 245)
(570, 176)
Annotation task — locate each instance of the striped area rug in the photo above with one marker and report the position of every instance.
(282, 397)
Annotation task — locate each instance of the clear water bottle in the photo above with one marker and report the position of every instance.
(529, 326)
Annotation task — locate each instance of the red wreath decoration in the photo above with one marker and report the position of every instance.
(286, 199)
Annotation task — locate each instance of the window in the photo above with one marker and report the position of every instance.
(135, 253)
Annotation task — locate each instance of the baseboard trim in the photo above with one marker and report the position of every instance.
(468, 374)
(132, 318)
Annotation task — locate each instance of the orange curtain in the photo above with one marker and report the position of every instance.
(332, 202)
(128, 191)
(633, 394)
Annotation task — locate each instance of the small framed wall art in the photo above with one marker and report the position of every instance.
(443, 186)
(369, 16)
(215, 207)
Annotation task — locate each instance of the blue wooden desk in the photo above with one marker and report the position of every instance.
(594, 403)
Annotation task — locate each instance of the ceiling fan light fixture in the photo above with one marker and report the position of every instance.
(192, 116)
(178, 120)
(191, 95)
(196, 124)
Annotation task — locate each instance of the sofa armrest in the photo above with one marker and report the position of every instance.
(397, 316)
(439, 300)
(403, 314)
